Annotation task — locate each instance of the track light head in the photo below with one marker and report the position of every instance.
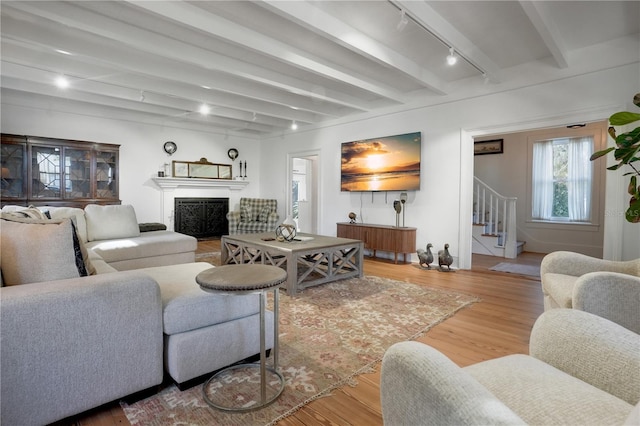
(294, 125)
(452, 58)
(403, 20)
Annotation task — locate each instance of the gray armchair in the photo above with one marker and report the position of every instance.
(606, 288)
(253, 215)
(582, 370)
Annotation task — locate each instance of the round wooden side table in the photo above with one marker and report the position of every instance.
(248, 279)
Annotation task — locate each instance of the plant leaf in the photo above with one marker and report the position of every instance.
(632, 185)
(599, 154)
(633, 212)
(624, 117)
(629, 138)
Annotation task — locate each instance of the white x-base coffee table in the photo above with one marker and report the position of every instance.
(309, 259)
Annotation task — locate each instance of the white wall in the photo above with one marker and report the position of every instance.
(507, 174)
(141, 153)
(441, 208)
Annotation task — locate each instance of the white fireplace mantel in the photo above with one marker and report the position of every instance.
(169, 186)
(171, 183)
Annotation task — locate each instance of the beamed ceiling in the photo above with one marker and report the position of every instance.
(262, 65)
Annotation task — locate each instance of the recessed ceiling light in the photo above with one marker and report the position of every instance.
(204, 109)
(62, 82)
(64, 52)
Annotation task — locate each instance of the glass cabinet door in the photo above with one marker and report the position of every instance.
(12, 157)
(45, 172)
(106, 183)
(77, 173)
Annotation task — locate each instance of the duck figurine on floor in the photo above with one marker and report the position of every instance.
(444, 258)
(426, 257)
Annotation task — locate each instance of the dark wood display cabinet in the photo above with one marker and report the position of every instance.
(58, 172)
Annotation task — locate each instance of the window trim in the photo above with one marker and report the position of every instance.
(598, 131)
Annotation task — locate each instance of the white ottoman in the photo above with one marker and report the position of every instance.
(205, 332)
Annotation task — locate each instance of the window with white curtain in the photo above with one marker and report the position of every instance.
(562, 179)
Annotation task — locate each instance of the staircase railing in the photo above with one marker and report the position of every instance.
(498, 215)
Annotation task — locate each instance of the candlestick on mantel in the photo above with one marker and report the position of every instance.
(240, 175)
(245, 169)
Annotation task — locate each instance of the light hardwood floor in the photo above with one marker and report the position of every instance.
(498, 325)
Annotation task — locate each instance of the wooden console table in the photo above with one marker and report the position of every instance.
(381, 237)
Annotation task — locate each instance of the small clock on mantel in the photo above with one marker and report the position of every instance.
(170, 147)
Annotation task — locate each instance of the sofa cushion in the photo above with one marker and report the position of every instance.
(560, 288)
(109, 222)
(187, 307)
(40, 250)
(147, 244)
(72, 213)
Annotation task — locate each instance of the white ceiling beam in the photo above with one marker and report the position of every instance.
(167, 114)
(145, 64)
(31, 80)
(426, 16)
(260, 79)
(217, 26)
(347, 36)
(543, 22)
(224, 104)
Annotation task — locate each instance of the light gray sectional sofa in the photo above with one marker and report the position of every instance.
(69, 342)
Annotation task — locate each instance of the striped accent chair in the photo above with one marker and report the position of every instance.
(254, 215)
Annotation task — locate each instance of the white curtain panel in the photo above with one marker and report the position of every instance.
(542, 178)
(580, 171)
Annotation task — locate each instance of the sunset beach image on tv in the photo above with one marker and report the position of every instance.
(390, 163)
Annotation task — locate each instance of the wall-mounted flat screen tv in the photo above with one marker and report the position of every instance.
(391, 163)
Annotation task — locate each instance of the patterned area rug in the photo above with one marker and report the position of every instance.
(514, 268)
(212, 257)
(329, 334)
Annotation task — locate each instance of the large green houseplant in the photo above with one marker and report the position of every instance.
(626, 152)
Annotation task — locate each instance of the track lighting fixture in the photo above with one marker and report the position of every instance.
(403, 20)
(452, 58)
(294, 125)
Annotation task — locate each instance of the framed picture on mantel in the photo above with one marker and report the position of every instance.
(493, 146)
(201, 169)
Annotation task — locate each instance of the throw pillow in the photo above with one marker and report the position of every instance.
(39, 250)
(245, 214)
(264, 214)
(111, 222)
(30, 212)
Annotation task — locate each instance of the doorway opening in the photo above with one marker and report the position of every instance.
(304, 181)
